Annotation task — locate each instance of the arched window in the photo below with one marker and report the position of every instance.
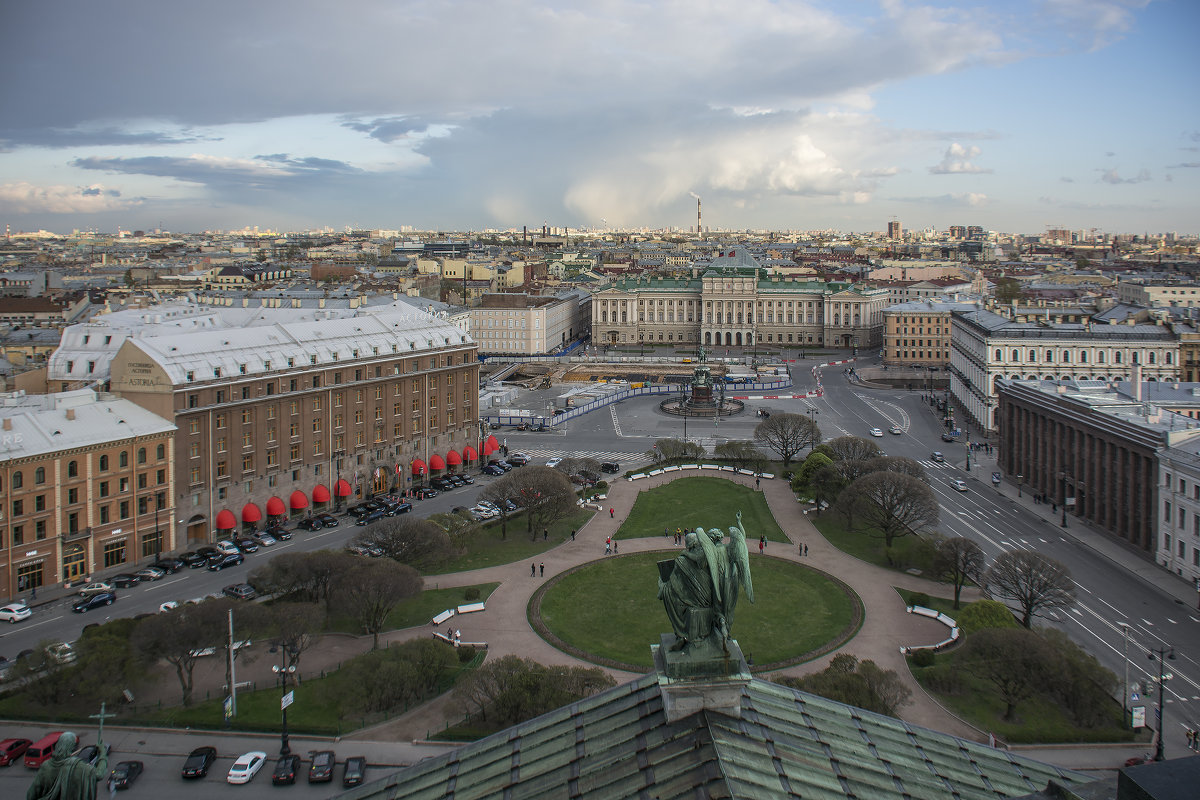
(1117, 357)
(124, 459)
(1049, 356)
(999, 354)
(160, 452)
(1133, 357)
(18, 480)
(1083, 356)
(1169, 359)
(104, 463)
(1016, 355)
(1032, 356)
(141, 455)
(72, 469)
(1066, 357)
(39, 475)
(1100, 357)
(1152, 358)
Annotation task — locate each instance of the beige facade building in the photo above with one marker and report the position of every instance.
(522, 324)
(918, 334)
(1183, 294)
(87, 484)
(735, 303)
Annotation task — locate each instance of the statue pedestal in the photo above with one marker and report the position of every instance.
(700, 677)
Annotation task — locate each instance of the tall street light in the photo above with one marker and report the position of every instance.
(1020, 479)
(284, 672)
(1125, 685)
(1062, 477)
(1163, 677)
(812, 412)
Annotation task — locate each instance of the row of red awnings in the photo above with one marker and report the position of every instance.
(298, 500)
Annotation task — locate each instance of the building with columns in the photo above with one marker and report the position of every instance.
(734, 302)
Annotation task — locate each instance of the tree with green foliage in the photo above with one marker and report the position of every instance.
(177, 637)
(388, 679)
(858, 683)
(1008, 290)
(1036, 582)
(958, 560)
(668, 451)
(1015, 661)
(984, 614)
(459, 526)
(1079, 682)
(802, 480)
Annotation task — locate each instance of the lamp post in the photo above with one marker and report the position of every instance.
(284, 671)
(1169, 653)
(812, 412)
(1125, 685)
(1062, 477)
(1020, 479)
(337, 497)
(968, 455)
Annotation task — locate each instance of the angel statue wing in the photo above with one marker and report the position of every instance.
(739, 557)
(711, 557)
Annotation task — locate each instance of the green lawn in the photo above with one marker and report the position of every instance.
(488, 549)
(798, 610)
(1038, 720)
(418, 610)
(907, 551)
(700, 501)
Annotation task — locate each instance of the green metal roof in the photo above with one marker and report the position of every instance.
(787, 743)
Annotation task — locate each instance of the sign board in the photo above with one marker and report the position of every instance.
(1135, 697)
(228, 707)
(286, 700)
(1139, 717)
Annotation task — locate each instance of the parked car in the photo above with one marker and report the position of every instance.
(125, 773)
(553, 462)
(263, 539)
(394, 507)
(442, 484)
(328, 520)
(15, 612)
(97, 587)
(362, 508)
(285, 770)
(90, 754)
(310, 524)
(425, 493)
(93, 601)
(960, 485)
(194, 560)
(321, 768)
(123, 580)
(280, 533)
(149, 574)
(354, 771)
(228, 560)
(467, 479)
(41, 750)
(210, 553)
(876, 432)
(198, 762)
(938, 457)
(457, 480)
(502, 464)
(367, 519)
(491, 469)
(61, 652)
(518, 459)
(611, 467)
(169, 564)
(226, 546)
(482, 513)
(246, 767)
(12, 749)
(896, 429)
(247, 545)
(240, 591)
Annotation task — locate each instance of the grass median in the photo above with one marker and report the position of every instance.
(699, 502)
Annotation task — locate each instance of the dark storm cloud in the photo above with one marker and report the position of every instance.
(224, 174)
(386, 129)
(59, 138)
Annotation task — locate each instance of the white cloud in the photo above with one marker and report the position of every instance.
(26, 198)
(957, 161)
(1101, 21)
(1113, 177)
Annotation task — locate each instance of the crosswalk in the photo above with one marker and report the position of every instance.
(598, 455)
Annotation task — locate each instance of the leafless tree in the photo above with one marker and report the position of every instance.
(744, 455)
(296, 626)
(901, 464)
(890, 503)
(574, 465)
(301, 576)
(787, 434)
(959, 560)
(459, 526)
(1014, 660)
(1035, 582)
(667, 450)
(846, 448)
(409, 540)
(177, 636)
(543, 493)
(372, 589)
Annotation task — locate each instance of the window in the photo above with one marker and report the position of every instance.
(194, 450)
(105, 511)
(114, 553)
(72, 496)
(220, 420)
(39, 502)
(124, 509)
(247, 463)
(39, 476)
(123, 460)
(18, 508)
(141, 480)
(104, 488)
(17, 480)
(222, 469)
(39, 529)
(141, 455)
(72, 469)
(104, 463)
(247, 416)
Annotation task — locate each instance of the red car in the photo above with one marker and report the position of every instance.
(41, 750)
(12, 749)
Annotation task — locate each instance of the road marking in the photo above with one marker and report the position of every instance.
(1171, 621)
(1147, 622)
(164, 583)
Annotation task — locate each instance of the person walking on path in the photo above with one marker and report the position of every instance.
(614, 548)
(543, 565)
(533, 570)
(545, 534)
(612, 513)
(572, 534)
(608, 545)
(806, 550)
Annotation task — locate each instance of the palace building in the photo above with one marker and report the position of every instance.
(735, 302)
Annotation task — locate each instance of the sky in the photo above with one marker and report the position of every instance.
(461, 115)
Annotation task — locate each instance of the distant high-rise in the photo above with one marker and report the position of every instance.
(894, 229)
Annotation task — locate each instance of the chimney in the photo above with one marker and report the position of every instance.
(1135, 380)
(8, 423)
(70, 414)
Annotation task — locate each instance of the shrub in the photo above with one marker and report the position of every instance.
(919, 599)
(923, 657)
(983, 614)
(471, 594)
(943, 678)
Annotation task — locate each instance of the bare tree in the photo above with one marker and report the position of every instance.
(409, 540)
(787, 434)
(958, 560)
(890, 503)
(301, 576)
(500, 493)
(665, 450)
(744, 455)
(543, 493)
(845, 448)
(1014, 660)
(901, 464)
(1035, 582)
(177, 636)
(575, 465)
(372, 589)
(296, 626)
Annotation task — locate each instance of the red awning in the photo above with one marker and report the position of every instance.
(251, 513)
(436, 462)
(320, 494)
(275, 507)
(469, 453)
(298, 500)
(453, 458)
(491, 445)
(342, 488)
(226, 521)
(418, 467)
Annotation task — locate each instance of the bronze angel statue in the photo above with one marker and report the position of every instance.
(700, 588)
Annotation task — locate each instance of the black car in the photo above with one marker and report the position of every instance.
(501, 463)
(240, 591)
(169, 564)
(362, 508)
(209, 553)
(125, 773)
(611, 467)
(97, 600)
(467, 479)
(321, 768)
(310, 524)
(246, 545)
(90, 754)
(279, 532)
(442, 484)
(371, 516)
(456, 480)
(328, 520)
(226, 560)
(397, 507)
(198, 762)
(123, 580)
(354, 771)
(194, 560)
(285, 770)
(425, 493)
(492, 469)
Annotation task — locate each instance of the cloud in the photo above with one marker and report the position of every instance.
(957, 161)
(973, 199)
(1096, 22)
(1111, 176)
(105, 136)
(1185, 165)
(1065, 179)
(25, 198)
(258, 172)
(388, 129)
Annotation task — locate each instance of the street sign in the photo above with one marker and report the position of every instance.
(1139, 717)
(1135, 697)
(228, 707)
(286, 700)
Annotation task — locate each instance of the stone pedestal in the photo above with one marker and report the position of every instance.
(699, 678)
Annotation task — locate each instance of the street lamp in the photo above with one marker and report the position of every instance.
(1163, 677)
(1125, 685)
(284, 672)
(1020, 479)
(1062, 477)
(811, 413)
(337, 497)
(968, 455)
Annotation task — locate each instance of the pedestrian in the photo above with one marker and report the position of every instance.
(608, 545)
(457, 636)
(33, 593)
(666, 531)
(806, 550)
(760, 547)
(612, 513)
(756, 482)
(545, 535)
(543, 567)
(572, 534)
(614, 548)
(533, 570)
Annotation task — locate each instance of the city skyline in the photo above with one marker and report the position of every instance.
(466, 116)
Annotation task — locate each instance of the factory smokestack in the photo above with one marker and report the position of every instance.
(698, 228)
